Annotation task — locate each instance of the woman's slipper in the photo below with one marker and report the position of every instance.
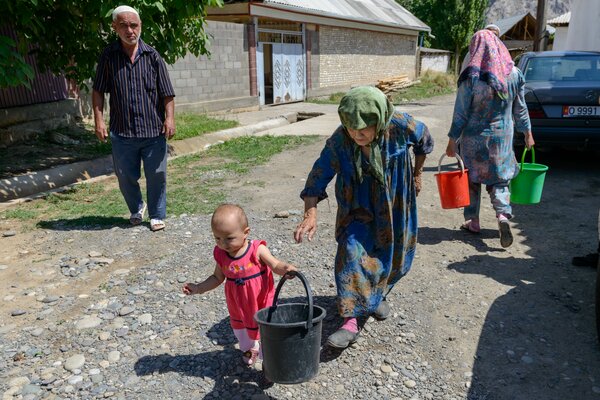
(157, 224)
(471, 226)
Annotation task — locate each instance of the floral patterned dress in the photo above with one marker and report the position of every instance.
(376, 225)
(483, 127)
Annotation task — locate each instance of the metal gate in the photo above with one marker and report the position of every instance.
(281, 76)
(288, 73)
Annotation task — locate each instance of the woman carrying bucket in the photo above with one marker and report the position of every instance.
(490, 95)
(376, 188)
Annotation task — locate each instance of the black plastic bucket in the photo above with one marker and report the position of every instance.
(290, 335)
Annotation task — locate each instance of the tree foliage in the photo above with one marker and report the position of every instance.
(452, 22)
(67, 36)
(14, 70)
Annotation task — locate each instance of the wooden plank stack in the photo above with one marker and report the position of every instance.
(394, 84)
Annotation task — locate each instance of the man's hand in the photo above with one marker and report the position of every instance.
(100, 130)
(168, 128)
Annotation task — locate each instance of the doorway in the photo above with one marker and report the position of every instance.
(280, 65)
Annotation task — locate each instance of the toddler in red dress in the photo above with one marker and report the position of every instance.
(246, 267)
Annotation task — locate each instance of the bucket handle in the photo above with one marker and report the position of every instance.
(460, 162)
(309, 295)
(523, 156)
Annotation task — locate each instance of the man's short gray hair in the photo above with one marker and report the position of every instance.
(122, 9)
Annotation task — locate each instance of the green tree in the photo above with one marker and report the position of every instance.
(67, 36)
(14, 70)
(452, 22)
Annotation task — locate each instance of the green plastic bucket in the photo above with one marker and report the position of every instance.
(526, 188)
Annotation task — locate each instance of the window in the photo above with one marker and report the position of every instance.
(563, 68)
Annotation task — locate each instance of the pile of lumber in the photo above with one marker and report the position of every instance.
(394, 84)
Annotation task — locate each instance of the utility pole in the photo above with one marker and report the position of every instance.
(540, 41)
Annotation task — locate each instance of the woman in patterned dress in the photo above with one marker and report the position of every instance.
(490, 95)
(376, 188)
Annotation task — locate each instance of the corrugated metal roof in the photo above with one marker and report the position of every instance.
(561, 20)
(507, 24)
(383, 12)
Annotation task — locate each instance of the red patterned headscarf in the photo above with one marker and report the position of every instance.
(489, 61)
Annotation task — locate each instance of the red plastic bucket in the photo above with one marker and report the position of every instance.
(453, 186)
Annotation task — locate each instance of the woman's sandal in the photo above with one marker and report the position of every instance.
(157, 224)
(471, 226)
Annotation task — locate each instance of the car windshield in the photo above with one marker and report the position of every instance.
(563, 68)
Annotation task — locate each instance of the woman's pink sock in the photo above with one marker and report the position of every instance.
(350, 324)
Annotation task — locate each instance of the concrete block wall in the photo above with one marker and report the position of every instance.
(435, 62)
(349, 56)
(219, 82)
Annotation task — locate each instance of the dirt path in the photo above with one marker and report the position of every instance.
(494, 323)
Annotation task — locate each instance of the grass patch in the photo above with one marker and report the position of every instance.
(192, 125)
(331, 99)
(195, 186)
(78, 143)
(432, 84)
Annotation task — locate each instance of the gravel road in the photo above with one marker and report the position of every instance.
(98, 313)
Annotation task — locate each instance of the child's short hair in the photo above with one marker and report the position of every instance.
(230, 209)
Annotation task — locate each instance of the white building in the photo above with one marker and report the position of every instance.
(561, 24)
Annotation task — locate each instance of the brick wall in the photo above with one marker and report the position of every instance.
(349, 56)
(209, 84)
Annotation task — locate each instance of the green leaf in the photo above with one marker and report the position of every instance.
(160, 7)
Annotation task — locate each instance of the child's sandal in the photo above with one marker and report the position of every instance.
(249, 356)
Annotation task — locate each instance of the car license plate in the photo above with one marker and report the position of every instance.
(580, 111)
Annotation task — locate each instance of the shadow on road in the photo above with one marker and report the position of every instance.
(231, 377)
(432, 236)
(87, 223)
(539, 339)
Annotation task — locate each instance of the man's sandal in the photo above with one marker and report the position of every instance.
(157, 224)
(138, 217)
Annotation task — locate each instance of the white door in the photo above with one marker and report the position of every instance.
(288, 72)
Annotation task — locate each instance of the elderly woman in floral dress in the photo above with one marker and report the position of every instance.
(376, 188)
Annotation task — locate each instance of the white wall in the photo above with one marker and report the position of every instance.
(560, 38)
(435, 62)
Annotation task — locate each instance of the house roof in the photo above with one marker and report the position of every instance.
(379, 12)
(561, 20)
(507, 24)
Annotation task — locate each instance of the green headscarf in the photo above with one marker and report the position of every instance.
(361, 107)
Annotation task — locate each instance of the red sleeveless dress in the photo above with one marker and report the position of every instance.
(248, 287)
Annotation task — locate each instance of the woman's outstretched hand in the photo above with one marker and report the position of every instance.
(307, 227)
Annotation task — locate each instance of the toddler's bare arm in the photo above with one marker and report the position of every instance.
(208, 284)
(278, 266)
